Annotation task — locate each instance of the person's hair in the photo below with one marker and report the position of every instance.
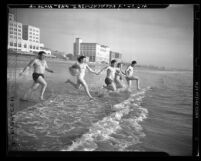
(133, 62)
(119, 64)
(80, 58)
(113, 61)
(41, 53)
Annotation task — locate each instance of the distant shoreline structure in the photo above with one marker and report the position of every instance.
(138, 66)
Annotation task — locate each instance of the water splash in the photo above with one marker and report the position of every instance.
(112, 124)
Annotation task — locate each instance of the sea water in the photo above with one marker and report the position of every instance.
(157, 118)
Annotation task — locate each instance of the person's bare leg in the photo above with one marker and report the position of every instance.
(34, 86)
(43, 83)
(119, 83)
(76, 85)
(138, 84)
(86, 88)
(113, 86)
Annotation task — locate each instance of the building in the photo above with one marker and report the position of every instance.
(94, 51)
(115, 55)
(24, 38)
(14, 33)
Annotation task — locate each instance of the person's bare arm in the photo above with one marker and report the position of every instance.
(91, 70)
(102, 70)
(47, 68)
(27, 66)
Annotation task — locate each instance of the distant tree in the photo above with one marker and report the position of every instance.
(70, 56)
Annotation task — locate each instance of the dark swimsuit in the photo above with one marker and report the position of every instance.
(36, 75)
(108, 81)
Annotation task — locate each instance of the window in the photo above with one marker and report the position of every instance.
(19, 45)
(19, 38)
(15, 44)
(15, 29)
(19, 26)
(30, 47)
(30, 36)
(37, 47)
(25, 45)
(15, 33)
(19, 34)
(33, 47)
(19, 30)
(11, 36)
(11, 32)
(11, 43)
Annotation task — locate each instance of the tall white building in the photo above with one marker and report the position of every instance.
(23, 37)
(94, 51)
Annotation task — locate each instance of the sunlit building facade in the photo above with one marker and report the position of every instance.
(94, 51)
(23, 37)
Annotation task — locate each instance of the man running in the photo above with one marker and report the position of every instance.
(109, 80)
(80, 77)
(130, 77)
(40, 65)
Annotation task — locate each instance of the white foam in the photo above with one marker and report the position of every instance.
(109, 125)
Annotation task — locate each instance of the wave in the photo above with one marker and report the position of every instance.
(103, 130)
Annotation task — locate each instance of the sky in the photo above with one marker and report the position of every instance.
(159, 37)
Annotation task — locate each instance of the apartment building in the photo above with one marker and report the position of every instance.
(94, 51)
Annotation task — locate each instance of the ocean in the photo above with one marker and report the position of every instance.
(158, 118)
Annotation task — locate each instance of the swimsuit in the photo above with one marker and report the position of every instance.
(108, 81)
(36, 75)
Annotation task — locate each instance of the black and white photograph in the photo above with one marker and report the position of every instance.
(100, 79)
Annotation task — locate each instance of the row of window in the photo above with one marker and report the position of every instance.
(11, 29)
(116, 55)
(33, 37)
(34, 30)
(34, 40)
(15, 33)
(87, 47)
(15, 37)
(25, 45)
(15, 25)
(33, 33)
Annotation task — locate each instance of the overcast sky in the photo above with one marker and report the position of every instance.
(161, 37)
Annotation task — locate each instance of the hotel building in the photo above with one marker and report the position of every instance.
(24, 37)
(94, 51)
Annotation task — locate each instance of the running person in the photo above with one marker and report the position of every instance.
(40, 66)
(130, 77)
(119, 76)
(109, 80)
(80, 77)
